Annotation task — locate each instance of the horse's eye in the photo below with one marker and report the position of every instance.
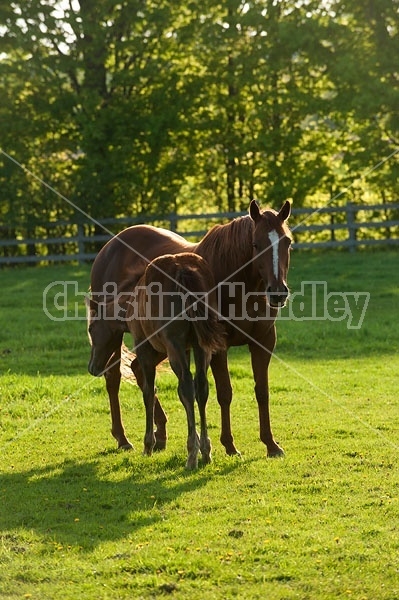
(255, 246)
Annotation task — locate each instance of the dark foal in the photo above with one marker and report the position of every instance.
(173, 309)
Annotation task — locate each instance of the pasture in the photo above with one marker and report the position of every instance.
(79, 519)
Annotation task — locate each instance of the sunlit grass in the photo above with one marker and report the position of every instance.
(80, 519)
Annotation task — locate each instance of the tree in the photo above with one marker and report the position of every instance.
(144, 106)
(365, 80)
(100, 79)
(267, 128)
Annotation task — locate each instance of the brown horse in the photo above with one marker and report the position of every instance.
(249, 259)
(173, 309)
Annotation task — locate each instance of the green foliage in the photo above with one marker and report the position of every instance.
(148, 107)
(80, 519)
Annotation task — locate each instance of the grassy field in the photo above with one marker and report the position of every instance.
(79, 519)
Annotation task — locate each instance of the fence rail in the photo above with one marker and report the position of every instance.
(350, 226)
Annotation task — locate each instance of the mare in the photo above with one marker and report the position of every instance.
(174, 308)
(249, 260)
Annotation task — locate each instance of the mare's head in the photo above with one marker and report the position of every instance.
(271, 248)
(105, 334)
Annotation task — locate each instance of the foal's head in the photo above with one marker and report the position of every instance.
(271, 242)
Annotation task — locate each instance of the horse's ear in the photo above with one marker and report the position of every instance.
(254, 210)
(285, 210)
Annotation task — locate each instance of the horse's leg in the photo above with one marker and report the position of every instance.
(260, 356)
(178, 362)
(224, 395)
(112, 381)
(202, 391)
(160, 417)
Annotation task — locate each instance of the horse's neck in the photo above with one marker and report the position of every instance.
(228, 251)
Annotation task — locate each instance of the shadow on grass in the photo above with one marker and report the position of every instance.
(80, 505)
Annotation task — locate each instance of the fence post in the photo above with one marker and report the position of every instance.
(173, 222)
(332, 230)
(351, 218)
(81, 244)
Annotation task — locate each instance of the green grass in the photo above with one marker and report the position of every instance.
(79, 519)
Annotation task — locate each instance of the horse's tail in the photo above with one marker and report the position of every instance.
(201, 308)
(127, 356)
(126, 359)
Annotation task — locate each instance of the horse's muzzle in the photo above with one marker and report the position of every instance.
(277, 297)
(94, 369)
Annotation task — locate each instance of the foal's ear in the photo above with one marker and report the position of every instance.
(285, 210)
(254, 210)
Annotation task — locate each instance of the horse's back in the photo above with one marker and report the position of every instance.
(123, 259)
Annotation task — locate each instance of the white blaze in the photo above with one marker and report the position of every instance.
(274, 240)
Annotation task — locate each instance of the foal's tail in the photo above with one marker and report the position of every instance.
(201, 308)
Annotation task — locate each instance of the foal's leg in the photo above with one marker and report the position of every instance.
(112, 381)
(224, 393)
(202, 391)
(160, 417)
(260, 356)
(146, 357)
(178, 362)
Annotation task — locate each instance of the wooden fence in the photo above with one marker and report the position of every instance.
(350, 226)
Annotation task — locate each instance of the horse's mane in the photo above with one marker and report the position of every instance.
(228, 247)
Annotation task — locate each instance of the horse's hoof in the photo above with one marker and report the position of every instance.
(276, 453)
(231, 450)
(160, 444)
(234, 452)
(127, 446)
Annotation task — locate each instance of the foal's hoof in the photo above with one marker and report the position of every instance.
(276, 452)
(206, 458)
(192, 464)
